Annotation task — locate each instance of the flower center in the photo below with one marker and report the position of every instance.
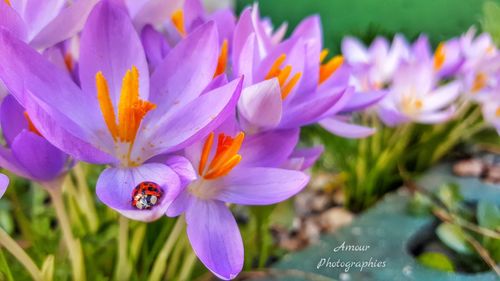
(282, 75)
(411, 104)
(497, 112)
(479, 82)
(222, 62)
(439, 56)
(327, 69)
(31, 126)
(226, 156)
(177, 18)
(131, 110)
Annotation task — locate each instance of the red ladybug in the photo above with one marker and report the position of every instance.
(146, 195)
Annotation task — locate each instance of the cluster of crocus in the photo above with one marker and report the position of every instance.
(191, 111)
(426, 87)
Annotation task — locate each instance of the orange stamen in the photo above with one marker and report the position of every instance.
(205, 153)
(439, 56)
(480, 82)
(418, 104)
(497, 112)
(131, 109)
(282, 75)
(221, 64)
(326, 70)
(226, 155)
(178, 21)
(31, 126)
(68, 61)
(323, 54)
(8, 2)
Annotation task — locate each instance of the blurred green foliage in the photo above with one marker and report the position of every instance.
(440, 19)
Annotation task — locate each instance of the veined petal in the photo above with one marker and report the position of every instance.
(155, 45)
(187, 124)
(115, 185)
(186, 71)
(183, 168)
(261, 104)
(309, 156)
(66, 24)
(39, 158)
(442, 96)
(268, 149)
(4, 182)
(260, 186)
(215, 237)
(37, 14)
(344, 129)
(111, 45)
(12, 21)
(12, 119)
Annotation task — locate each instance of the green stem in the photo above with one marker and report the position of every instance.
(8, 243)
(161, 260)
(187, 267)
(87, 200)
(73, 245)
(122, 268)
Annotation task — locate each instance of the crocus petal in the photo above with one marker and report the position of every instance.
(363, 100)
(11, 21)
(12, 119)
(179, 205)
(268, 149)
(225, 21)
(260, 186)
(183, 168)
(10, 163)
(155, 45)
(37, 14)
(261, 105)
(186, 70)
(110, 44)
(309, 156)
(184, 126)
(442, 96)
(155, 12)
(436, 117)
(38, 157)
(4, 182)
(354, 51)
(115, 186)
(65, 25)
(32, 78)
(392, 117)
(63, 139)
(215, 237)
(344, 129)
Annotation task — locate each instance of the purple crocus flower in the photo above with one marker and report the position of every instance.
(44, 23)
(415, 97)
(121, 115)
(4, 182)
(27, 153)
(491, 109)
(476, 50)
(287, 85)
(230, 168)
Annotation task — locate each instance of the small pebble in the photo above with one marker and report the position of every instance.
(469, 168)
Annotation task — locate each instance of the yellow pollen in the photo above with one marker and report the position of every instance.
(439, 56)
(418, 104)
(282, 74)
(411, 104)
(326, 70)
(221, 64)
(226, 156)
(8, 2)
(479, 82)
(178, 21)
(131, 109)
(497, 112)
(31, 126)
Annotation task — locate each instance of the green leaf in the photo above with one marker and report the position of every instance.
(437, 261)
(488, 215)
(454, 237)
(450, 195)
(491, 20)
(48, 268)
(5, 273)
(420, 205)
